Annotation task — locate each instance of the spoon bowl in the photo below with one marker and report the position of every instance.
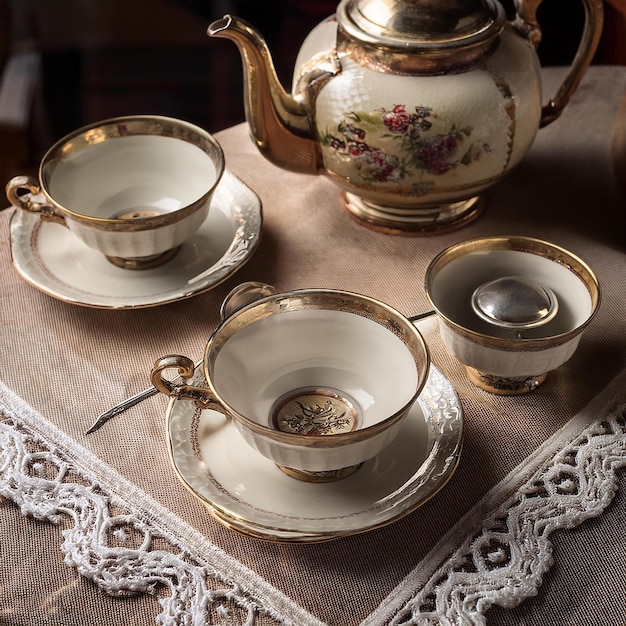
(517, 302)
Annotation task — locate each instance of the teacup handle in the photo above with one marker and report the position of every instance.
(244, 294)
(20, 191)
(526, 22)
(179, 389)
(236, 299)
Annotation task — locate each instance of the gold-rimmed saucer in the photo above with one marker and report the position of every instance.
(53, 260)
(247, 493)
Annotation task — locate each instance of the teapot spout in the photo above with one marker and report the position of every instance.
(279, 123)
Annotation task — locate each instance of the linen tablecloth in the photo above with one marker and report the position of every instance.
(97, 528)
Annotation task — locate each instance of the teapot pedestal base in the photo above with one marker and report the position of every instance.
(423, 221)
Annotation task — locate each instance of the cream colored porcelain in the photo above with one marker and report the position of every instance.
(510, 360)
(53, 260)
(316, 380)
(245, 491)
(133, 188)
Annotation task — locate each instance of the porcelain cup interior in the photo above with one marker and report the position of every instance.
(318, 381)
(133, 187)
(504, 360)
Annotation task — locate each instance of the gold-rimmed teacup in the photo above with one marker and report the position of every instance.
(135, 188)
(316, 380)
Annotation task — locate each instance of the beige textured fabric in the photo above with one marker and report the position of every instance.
(70, 363)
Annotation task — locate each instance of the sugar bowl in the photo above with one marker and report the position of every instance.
(511, 308)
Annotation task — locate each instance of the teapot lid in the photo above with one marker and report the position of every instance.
(425, 24)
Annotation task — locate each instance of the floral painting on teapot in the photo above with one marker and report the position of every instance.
(424, 134)
(421, 143)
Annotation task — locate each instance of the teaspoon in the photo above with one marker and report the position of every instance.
(510, 302)
(236, 299)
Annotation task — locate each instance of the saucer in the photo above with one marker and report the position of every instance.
(246, 492)
(52, 259)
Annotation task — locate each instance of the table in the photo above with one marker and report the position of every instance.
(97, 529)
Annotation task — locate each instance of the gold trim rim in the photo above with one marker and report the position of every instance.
(419, 222)
(300, 299)
(142, 125)
(532, 245)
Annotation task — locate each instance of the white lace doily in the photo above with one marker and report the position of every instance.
(497, 554)
(127, 548)
(500, 551)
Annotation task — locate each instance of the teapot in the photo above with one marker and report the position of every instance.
(413, 108)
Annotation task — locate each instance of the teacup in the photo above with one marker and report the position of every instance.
(316, 380)
(135, 188)
(557, 294)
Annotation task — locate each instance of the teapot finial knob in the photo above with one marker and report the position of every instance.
(421, 24)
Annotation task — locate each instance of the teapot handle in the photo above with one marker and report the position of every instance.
(526, 22)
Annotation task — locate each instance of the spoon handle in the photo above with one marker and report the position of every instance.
(103, 418)
(421, 316)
